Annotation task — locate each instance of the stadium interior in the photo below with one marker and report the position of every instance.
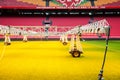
(59, 39)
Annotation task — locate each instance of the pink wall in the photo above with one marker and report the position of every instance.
(61, 21)
(115, 25)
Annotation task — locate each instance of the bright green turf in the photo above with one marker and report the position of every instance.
(50, 60)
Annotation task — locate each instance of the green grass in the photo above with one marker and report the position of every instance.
(50, 60)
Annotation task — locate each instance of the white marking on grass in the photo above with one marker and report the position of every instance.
(2, 53)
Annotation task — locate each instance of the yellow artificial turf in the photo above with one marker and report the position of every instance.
(50, 60)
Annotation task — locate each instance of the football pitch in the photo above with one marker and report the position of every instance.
(50, 60)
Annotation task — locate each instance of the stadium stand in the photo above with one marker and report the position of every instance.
(14, 3)
(55, 3)
(62, 22)
(37, 2)
(113, 4)
(103, 2)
